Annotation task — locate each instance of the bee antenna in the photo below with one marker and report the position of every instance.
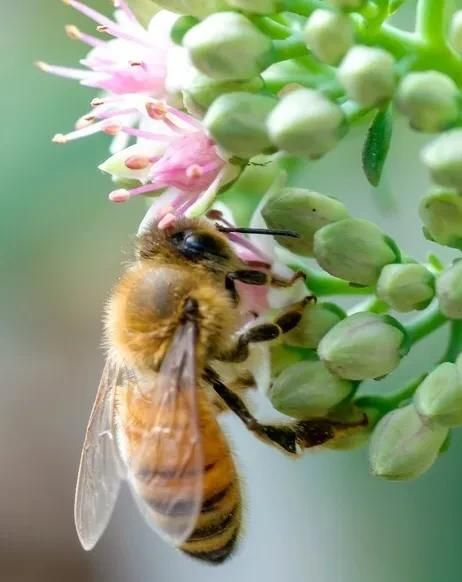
(269, 231)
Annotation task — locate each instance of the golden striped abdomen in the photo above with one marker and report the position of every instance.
(217, 526)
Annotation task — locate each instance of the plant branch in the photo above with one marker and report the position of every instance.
(455, 342)
(430, 320)
(430, 22)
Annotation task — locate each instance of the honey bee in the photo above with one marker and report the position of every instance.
(172, 315)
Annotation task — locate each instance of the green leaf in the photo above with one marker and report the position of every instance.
(377, 145)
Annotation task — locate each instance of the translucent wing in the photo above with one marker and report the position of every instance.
(98, 479)
(166, 470)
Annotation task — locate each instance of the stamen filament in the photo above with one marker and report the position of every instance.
(67, 72)
(123, 195)
(135, 132)
(123, 6)
(75, 34)
(81, 132)
(89, 12)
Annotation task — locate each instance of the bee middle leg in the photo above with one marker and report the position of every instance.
(281, 436)
(264, 332)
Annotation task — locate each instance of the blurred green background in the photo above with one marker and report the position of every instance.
(62, 244)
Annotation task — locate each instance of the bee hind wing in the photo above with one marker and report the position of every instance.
(99, 473)
(166, 474)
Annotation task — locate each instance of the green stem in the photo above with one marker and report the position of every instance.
(289, 48)
(302, 7)
(386, 404)
(322, 284)
(423, 51)
(430, 22)
(430, 320)
(371, 304)
(271, 27)
(397, 42)
(455, 342)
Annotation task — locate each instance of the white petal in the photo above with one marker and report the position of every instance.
(115, 165)
(259, 365)
(160, 26)
(151, 216)
(205, 200)
(180, 70)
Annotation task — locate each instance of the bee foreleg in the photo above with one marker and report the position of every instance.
(254, 277)
(283, 437)
(264, 332)
(276, 281)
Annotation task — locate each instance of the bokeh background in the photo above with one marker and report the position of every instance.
(61, 247)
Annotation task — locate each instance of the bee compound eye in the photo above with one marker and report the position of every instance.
(197, 245)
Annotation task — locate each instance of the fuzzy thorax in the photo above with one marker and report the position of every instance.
(147, 308)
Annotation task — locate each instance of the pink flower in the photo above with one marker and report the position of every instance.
(133, 63)
(173, 154)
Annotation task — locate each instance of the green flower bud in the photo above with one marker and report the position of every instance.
(438, 399)
(329, 35)
(255, 6)
(363, 346)
(367, 74)
(227, 46)
(449, 290)
(201, 91)
(441, 214)
(347, 4)
(429, 99)
(307, 390)
(406, 287)
(355, 250)
(443, 157)
(180, 28)
(198, 8)
(455, 31)
(237, 122)
(305, 212)
(316, 321)
(306, 123)
(403, 446)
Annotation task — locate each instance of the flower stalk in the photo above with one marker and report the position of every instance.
(208, 101)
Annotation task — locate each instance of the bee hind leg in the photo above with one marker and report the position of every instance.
(284, 437)
(292, 438)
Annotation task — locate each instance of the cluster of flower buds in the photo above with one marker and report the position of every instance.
(212, 93)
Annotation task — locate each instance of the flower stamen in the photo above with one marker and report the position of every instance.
(137, 162)
(76, 34)
(123, 195)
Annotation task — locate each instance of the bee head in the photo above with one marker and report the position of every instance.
(187, 240)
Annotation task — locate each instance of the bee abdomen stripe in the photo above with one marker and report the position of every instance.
(213, 501)
(147, 475)
(182, 507)
(217, 555)
(212, 530)
(178, 509)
